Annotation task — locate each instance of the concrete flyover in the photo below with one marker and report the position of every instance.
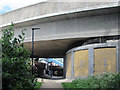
(64, 25)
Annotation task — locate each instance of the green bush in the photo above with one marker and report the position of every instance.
(38, 85)
(110, 80)
(16, 74)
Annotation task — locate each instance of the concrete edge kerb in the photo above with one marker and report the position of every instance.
(99, 45)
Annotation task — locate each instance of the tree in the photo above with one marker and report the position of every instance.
(16, 68)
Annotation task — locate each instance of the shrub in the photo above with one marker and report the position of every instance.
(38, 85)
(110, 80)
(16, 68)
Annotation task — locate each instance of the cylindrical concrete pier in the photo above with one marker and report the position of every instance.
(93, 59)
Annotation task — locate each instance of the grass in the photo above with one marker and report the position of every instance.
(38, 85)
(67, 85)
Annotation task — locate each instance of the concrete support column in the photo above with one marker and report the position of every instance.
(118, 57)
(72, 64)
(64, 67)
(91, 61)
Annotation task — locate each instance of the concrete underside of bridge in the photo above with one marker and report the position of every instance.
(64, 26)
(52, 48)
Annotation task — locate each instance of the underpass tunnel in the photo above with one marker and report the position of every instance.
(48, 68)
(56, 50)
(80, 58)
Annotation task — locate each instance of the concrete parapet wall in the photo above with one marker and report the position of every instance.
(51, 8)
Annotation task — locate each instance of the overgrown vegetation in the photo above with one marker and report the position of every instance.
(38, 85)
(16, 73)
(111, 80)
(68, 85)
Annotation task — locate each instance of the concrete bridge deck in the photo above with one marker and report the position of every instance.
(63, 24)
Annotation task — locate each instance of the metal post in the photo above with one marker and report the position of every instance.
(33, 52)
(51, 69)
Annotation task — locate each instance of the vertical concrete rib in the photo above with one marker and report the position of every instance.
(118, 57)
(72, 64)
(91, 61)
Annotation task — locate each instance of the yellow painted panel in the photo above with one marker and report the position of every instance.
(105, 60)
(68, 65)
(81, 63)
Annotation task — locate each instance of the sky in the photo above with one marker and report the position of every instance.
(8, 5)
